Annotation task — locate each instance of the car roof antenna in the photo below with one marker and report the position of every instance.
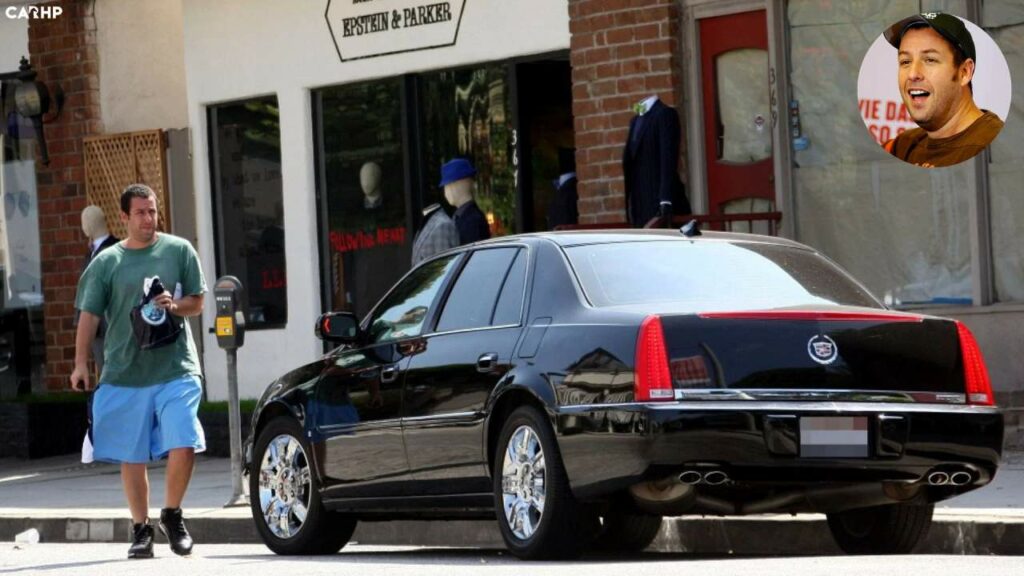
(691, 229)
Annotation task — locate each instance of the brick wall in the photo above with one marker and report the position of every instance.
(621, 52)
(64, 52)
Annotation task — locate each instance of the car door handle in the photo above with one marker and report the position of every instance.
(389, 374)
(486, 362)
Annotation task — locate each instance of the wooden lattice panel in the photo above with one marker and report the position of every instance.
(114, 161)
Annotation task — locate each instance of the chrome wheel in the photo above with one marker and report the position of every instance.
(523, 476)
(284, 486)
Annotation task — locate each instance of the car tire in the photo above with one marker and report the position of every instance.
(890, 529)
(283, 479)
(627, 530)
(560, 529)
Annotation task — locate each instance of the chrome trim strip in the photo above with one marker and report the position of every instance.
(715, 394)
(784, 407)
(361, 426)
(444, 416)
(477, 329)
(396, 422)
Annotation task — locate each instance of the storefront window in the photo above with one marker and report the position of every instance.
(902, 230)
(1004, 21)
(22, 352)
(363, 174)
(249, 214)
(466, 113)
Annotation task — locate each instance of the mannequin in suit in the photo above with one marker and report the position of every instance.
(563, 209)
(650, 164)
(457, 180)
(94, 226)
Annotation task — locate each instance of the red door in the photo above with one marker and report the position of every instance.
(737, 113)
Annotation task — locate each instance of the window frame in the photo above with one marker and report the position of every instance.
(436, 316)
(525, 252)
(435, 304)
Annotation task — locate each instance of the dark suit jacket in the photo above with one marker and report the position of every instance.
(107, 243)
(471, 223)
(650, 164)
(562, 209)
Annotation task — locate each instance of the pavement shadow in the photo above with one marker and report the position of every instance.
(63, 565)
(454, 556)
(478, 556)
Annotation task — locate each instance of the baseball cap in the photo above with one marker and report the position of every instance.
(948, 26)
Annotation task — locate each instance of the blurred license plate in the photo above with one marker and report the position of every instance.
(834, 437)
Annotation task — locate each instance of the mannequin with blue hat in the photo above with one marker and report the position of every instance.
(457, 180)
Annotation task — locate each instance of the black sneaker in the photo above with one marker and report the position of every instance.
(173, 527)
(142, 541)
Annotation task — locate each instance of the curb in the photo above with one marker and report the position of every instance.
(745, 536)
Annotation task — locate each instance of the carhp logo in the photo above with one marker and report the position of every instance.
(33, 12)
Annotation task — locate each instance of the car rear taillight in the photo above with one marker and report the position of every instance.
(976, 381)
(653, 382)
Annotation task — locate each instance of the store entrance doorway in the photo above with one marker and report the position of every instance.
(737, 116)
(545, 134)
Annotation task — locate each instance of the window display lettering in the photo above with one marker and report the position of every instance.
(363, 239)
(273, 279)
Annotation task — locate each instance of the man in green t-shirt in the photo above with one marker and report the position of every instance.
(145, 407)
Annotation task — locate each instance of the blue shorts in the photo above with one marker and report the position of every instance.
(137, 425)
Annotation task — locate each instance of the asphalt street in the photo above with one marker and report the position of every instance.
(67, 501)
(247, 559)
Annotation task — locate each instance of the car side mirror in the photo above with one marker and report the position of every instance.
(341, 327)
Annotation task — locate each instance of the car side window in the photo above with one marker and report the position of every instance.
(473, 297)
(509, 309)
(403, 312)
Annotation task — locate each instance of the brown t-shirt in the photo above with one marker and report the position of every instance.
(916, 147)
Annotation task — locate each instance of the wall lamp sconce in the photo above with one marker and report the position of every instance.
(32, 100)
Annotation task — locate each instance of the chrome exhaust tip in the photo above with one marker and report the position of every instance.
(938, 478)
(715, 477)
(690, 477)
(960, 478)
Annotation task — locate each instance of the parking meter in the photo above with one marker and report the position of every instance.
(230, 330)
(230, 322)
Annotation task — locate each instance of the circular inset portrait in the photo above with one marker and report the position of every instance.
(934, 90)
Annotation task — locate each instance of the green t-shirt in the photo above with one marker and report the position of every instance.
(113, 284)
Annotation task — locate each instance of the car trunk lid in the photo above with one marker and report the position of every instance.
(827, 354)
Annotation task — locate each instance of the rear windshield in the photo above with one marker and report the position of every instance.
(711, 275)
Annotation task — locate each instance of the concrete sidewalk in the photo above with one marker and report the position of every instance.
(67, 501)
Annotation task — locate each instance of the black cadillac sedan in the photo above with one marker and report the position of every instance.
(580, 386)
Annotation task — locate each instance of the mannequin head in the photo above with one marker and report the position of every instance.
(94, 223)
(459, 192)
(457, 180)
(369, 180)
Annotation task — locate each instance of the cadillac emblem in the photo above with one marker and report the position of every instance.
(822, 349)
